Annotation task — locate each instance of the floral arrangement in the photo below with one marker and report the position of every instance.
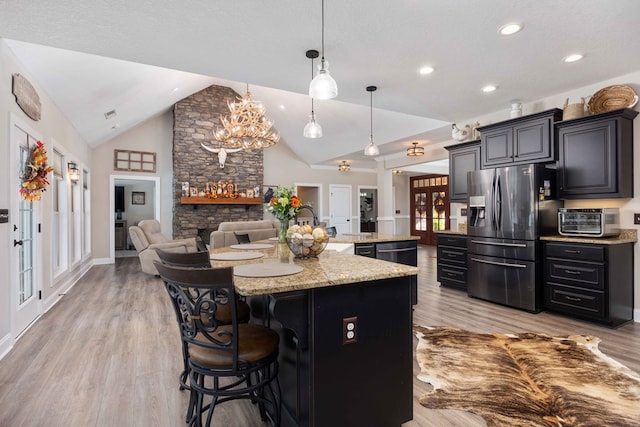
(284, 205)
(34, 180)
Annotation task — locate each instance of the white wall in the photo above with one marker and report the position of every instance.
(155, 135)
(283, 167)
(52, 126)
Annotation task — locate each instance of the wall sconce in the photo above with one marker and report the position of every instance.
(73, 171)
(344, 167)
(396, 171)
(415, 150)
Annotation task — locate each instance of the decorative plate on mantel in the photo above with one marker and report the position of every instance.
(612, 98)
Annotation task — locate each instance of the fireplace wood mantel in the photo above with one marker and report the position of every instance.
(221, 201)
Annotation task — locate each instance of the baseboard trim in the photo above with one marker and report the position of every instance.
(636, 315)
(6, 344)
(101, 261)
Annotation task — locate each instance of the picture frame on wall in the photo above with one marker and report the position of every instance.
(185, 189)
(137, 197)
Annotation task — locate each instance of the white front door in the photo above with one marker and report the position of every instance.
(340, 207)
(25, 298)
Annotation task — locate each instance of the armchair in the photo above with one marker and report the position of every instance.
(146, 237)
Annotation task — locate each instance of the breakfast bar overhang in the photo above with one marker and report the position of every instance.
(328, 376)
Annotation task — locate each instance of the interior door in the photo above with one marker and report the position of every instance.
(429, 207)
(340, 207)
(26, 304)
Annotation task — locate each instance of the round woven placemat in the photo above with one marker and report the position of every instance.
(612, 98)
(235, 256)
(250, 246)
(267, 269)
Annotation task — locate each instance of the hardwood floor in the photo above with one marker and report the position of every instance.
(108, 354)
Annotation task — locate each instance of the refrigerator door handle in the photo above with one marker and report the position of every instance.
(494, 224)
(502, 264)
(511, 245)
(498, 201)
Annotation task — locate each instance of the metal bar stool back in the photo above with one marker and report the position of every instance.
(226, 361)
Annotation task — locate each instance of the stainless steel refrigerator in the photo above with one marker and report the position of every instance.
(508, 209)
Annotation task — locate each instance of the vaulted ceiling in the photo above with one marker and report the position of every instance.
(92, 57)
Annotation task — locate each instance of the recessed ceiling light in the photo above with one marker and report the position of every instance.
(282, 107)
(489, 88)
(116, 126)
(508, 29)
(572, 58)
(110, 114)
(426, 70)
(175, 89)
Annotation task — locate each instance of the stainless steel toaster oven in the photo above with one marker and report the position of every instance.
(589, 222)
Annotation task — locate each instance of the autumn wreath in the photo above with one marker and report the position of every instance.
(34, 180)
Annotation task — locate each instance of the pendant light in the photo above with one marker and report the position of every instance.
(312, 128)
(323, 86)
(371, 149)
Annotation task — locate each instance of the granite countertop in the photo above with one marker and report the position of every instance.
(371, 238)
(462, 233)
(331, 268)
(626, 236)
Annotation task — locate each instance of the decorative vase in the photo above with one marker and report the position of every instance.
(282, 231)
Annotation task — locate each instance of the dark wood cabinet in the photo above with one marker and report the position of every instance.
(120, 238)
(518, 141)
(452, 261)
(589, 281)
(463, 158)
(595, 156)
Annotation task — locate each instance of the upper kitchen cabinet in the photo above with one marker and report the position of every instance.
(462, 159)
(522, 140)
(595, 156)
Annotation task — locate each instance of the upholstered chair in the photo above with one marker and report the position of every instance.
(146, 237)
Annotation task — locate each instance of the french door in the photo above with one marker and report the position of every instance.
(429, 207)
(25, 287)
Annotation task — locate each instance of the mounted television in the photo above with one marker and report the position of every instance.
(119, 193)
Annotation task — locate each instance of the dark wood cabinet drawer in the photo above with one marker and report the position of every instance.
(450, 255)
(575, 300)
(579, 252)
(452, 240)
(368, 250)
(583, 274)
(452, 276)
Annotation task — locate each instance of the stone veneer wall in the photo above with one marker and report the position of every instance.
(195, 120)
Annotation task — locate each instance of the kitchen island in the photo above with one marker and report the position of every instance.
(345, 336)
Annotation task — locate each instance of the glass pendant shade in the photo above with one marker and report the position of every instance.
(323, 86)
(312, 128)
(371, 149)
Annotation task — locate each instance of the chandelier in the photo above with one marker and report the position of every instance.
(246, 127)
(344, 167)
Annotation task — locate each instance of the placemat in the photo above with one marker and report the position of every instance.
(249, 246)
(235, 256)
(267, 269)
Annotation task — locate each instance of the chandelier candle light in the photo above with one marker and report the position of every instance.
(312, 128)
(246, 127)
(323, 86)
(371, 149)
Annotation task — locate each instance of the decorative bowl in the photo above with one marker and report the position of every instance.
(306, 248)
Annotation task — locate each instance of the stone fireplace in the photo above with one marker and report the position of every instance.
(195, 119)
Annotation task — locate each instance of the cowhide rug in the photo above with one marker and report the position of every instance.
(526, 379)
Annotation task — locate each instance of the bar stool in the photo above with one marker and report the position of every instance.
(223, 314)
(226, 361)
